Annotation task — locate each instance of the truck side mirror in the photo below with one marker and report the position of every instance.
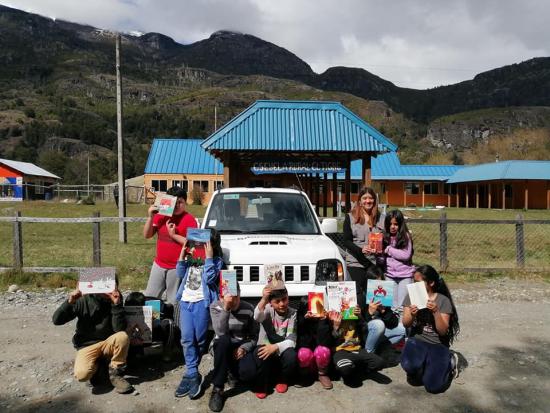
(329, 225)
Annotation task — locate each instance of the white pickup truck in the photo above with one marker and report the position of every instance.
(261, 226)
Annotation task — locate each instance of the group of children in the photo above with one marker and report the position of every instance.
(273, 344)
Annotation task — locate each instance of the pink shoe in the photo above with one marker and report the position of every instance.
(281, 388)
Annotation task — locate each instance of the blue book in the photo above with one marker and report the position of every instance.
(228, 283)
(155, 305)
(198, 235)
(379, 290)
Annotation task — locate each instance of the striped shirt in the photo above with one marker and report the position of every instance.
(275, 328)
(239, 324)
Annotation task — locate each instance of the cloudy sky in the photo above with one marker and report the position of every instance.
(418, 44)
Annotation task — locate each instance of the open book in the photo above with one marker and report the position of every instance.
(139, 324)
(97, 280)
(378, 290)
(228, 283)
(418, 294)
(342, 297)
(166, 204)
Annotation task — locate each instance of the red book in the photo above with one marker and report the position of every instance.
(316, 303)
(376, 241)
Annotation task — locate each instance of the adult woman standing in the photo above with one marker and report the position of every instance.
(363, 219)
(163, 272)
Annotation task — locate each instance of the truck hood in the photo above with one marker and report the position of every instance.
(243, 249)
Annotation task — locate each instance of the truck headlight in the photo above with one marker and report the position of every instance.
(328, 270)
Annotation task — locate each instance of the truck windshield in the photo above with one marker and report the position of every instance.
(261, 213)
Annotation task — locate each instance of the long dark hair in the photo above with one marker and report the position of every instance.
(216, 241)
(357, 210)
(402, 237)
(430, 274)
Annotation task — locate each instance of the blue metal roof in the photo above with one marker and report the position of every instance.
(181, 156)
(505, 170)
(271, 125)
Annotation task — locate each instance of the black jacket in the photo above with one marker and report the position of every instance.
(97, 319)
(390, 319)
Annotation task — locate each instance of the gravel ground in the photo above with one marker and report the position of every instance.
(505, 339)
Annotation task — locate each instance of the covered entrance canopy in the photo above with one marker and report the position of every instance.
(284, 143)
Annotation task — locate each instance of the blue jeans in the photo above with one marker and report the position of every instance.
(194, 318)
(399, 292)
(375, 330)
(427, 363)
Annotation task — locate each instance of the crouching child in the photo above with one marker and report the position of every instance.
(275, 355)
(100, 335)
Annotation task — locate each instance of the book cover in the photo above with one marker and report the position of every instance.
(316, 303)
(199, 236)
(273, 274)
(228, 283)
(378, 290)
(418, 294)
(155, 307)
(139, 321)
(342, 297)
(97, 280)
(166, 204)
(376, 240)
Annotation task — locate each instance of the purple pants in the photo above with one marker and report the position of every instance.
(319, 359)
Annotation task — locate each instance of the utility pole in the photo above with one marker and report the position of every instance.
(215, 118)
(122, 235)
(88, 174)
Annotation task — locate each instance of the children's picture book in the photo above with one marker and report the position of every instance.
(273, 274)
(165, 204)
(155, 307)
(418, 294)
(342, 297)
(316, 303)
(378, 290)
(228, 283)
(139, 321)
(198, 236)
(376, 241)
(97, 280)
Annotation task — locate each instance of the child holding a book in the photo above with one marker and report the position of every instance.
(198, 268)
(275, 355)
(381, 320)
(350, 358)
(314, 343)
(236, 335)
(426, 357)
(398, 254)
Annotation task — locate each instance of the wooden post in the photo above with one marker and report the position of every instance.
(226, 172)
(404, 195)
(17, 243)
(526, 195)
(467, 197)
(457, 196)
(96, 242)
(443, 262)
(317, 197)
(503, 196)
(122, 231)
(520, 245)
(367, 171)
(477, 195)
(334, 194)
(387, 193)
(325, 194)
(547, 195)
(423, 192)
(489, 193)
(348, 184)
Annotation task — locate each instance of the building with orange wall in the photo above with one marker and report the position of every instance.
(24, 180)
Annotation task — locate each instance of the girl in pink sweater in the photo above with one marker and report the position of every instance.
(398, 253)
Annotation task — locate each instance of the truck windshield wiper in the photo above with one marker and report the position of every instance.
(230, 231)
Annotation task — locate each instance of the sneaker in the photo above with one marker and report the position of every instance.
(216, 400)
(195, 384)
(455, 371)
(325, 381)
(183, 388)
(120, 384)
(260, 394)
(281, 388)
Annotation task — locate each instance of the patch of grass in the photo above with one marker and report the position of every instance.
(28, 280)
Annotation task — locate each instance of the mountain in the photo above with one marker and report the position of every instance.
(57, 94)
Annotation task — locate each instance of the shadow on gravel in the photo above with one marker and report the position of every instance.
(58, 404)
(518, 382)
(149, 368)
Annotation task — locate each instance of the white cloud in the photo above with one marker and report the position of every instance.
(416, 44)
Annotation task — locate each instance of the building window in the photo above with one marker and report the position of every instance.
(182, 184)
(39, 187)
(355, 187)
(203, 185)
(450, 189)
(7, 190)
(508, 191)
(412, 188)
(382, 188)
(218, 185)
(159, 185)
(431, 188)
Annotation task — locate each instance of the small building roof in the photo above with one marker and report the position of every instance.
(298, 126)
(27, 168)
(504, 170)
(181, 156)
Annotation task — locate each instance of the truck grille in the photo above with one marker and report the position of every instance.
(255, 273)
(292, 273)
(289, 273)
(239, 271)
(304, 273)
